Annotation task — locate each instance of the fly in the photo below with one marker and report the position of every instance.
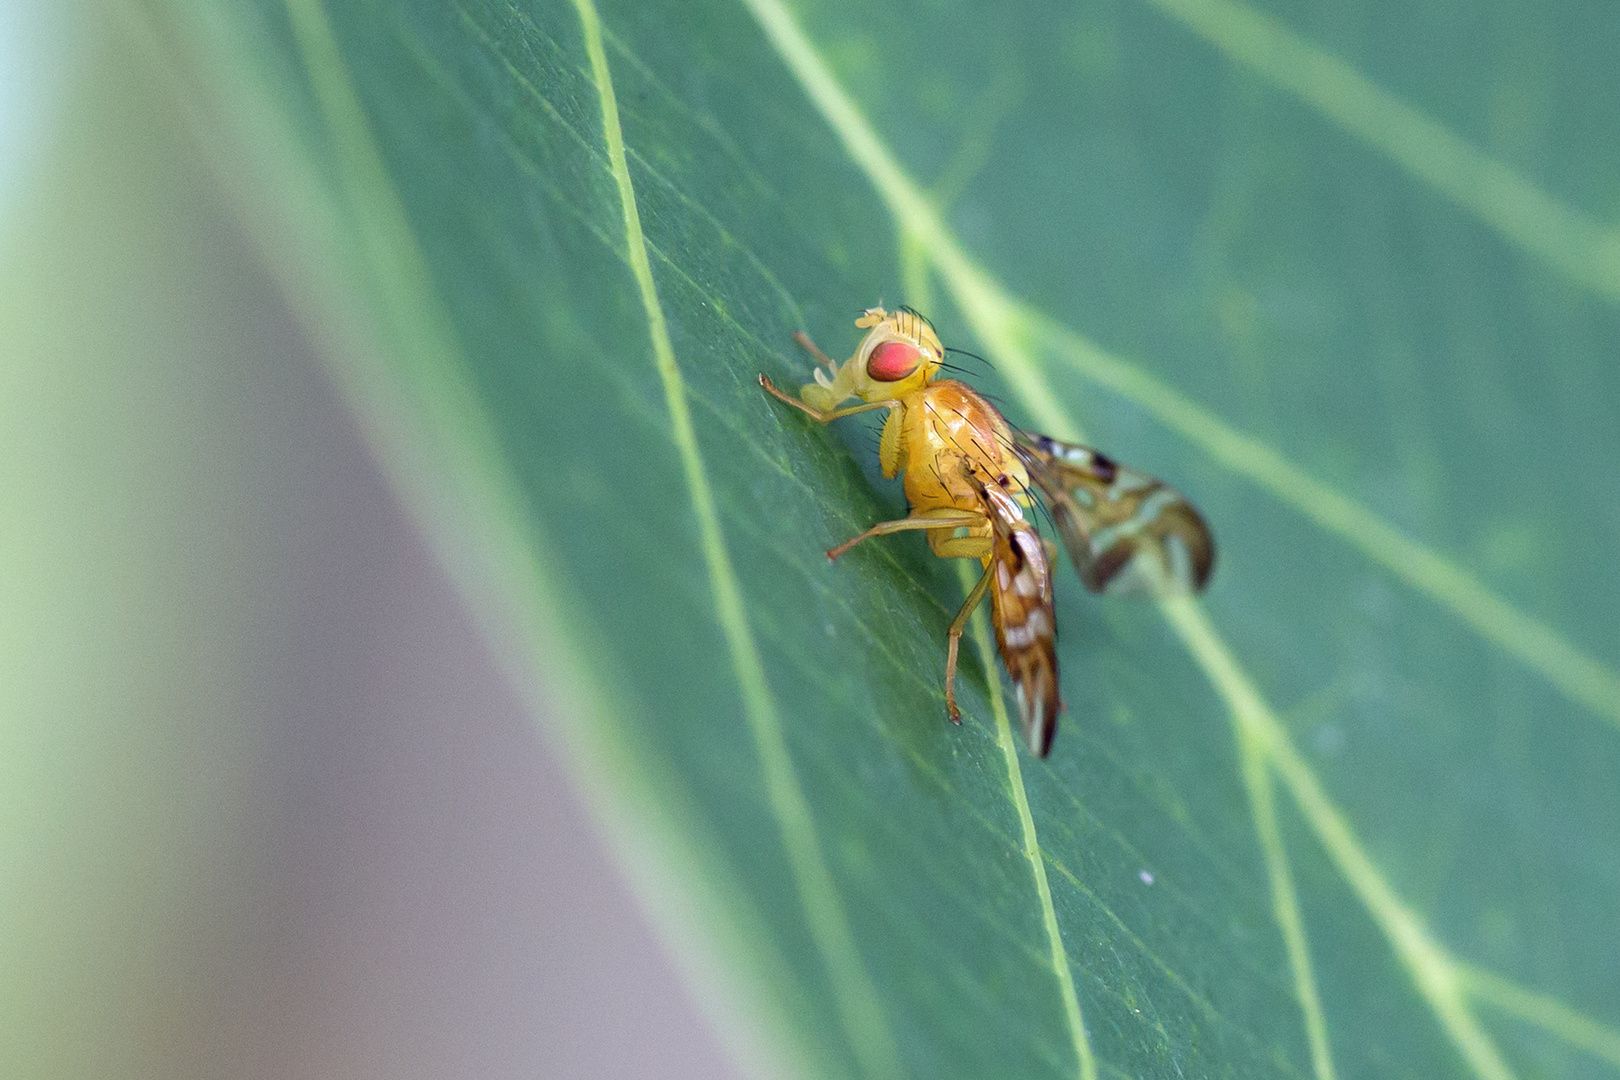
(970, 477)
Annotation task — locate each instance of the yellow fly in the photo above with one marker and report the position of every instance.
(968, 478)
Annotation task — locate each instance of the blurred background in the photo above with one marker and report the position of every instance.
(267, 807)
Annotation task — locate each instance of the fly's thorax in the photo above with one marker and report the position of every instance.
(958, 420)
(952, 443)
(898, 357)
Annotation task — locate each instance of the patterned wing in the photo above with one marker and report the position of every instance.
(1021, 608)
(1109, 515)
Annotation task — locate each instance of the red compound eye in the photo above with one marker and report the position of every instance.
(893, 361)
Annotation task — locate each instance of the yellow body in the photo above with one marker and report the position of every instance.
(965, 483)
(948, 441)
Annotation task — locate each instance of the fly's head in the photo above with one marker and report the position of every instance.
(898, 356)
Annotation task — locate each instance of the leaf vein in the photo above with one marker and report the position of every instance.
(1500, 196)
(856, 996)
(1031, 846)
(997, 318)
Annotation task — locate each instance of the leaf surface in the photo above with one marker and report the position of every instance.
(1339, 277)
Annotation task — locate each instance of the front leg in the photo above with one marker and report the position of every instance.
(826, 416)
(802, 339)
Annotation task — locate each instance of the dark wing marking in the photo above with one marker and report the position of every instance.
(1108, 515)
(1021, 608)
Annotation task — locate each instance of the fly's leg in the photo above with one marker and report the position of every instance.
(804, 342)
(951, 520)
(826, 416)
(954, 635)
(962, 547)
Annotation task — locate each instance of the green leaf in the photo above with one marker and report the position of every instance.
(1340, 276)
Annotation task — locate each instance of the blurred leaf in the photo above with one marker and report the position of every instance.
(1336, 274)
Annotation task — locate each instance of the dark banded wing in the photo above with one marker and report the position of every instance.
(1111, 516)
(1021, 609)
